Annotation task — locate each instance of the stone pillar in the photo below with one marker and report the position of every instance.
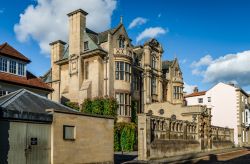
(144, 136)
(56, 51)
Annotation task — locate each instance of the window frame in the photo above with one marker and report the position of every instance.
(124, 104)
(122, 71)
(200, 102)
(86, 45)
(64, 132)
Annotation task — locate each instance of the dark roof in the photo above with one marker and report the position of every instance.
(196, 94)
(30, 80)
(166, 64)
(24, 104)
(47, 78)
(7, 50)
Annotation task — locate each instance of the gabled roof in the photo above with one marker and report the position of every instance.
(194, 94)
(24, 104)
(29, 81)
(7, 50)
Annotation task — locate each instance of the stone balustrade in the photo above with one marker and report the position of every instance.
(123, 51)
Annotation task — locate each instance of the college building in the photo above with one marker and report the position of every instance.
(104, 64)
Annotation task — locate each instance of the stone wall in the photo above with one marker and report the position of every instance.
(93, 141)
(160, 137)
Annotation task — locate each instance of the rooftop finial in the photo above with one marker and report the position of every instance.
(121, 19)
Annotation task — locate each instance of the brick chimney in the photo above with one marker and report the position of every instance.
(77, 25)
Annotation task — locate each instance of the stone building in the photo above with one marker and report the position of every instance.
(103, 64)
(14, 74)
(226, 100)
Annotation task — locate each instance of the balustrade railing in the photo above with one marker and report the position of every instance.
(123, 51)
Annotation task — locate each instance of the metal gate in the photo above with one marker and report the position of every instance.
(29, 143)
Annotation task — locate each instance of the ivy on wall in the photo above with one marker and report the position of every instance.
(124, 133)
(124, 136)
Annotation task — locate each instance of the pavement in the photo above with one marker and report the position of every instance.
(230, 156)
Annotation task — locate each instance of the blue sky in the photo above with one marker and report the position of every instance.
(210, 38)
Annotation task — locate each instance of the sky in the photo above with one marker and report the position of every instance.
(210, 38)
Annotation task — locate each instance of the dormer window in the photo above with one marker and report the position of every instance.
(3, 64)
(121, 41)
(86, 46)
(13, 66)
(20, 69)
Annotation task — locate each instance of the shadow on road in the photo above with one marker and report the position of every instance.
(120, 158)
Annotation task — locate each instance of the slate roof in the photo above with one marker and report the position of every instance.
(7, 50)
(24, 104)
(29, 81)
(166, 64)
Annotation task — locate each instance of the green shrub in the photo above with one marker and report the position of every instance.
(124, 136)
(73, 105)
(87, 106)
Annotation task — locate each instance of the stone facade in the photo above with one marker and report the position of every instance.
(107, 64)
(93, 140)
(160, 137)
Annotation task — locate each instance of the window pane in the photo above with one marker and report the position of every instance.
(12, 66)
(69, 132)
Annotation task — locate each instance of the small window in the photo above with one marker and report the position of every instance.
(21, 69)
(3, 64)
(209, 99)
(200, 100)
(86, 45)
(68, 132)
(86, 70)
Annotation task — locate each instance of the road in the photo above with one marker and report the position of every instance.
(239, 156)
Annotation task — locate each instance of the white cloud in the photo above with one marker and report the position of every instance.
(204, 61)
(151, 32)
(188, 88)
(47, 21)
(137, 22)
(228, 68)
(159, 15)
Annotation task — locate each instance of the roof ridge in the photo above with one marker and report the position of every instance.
(13, 94)
(35, 94)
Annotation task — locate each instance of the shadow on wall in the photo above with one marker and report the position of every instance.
(4, 141)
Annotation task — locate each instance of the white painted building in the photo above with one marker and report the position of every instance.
(230, 108)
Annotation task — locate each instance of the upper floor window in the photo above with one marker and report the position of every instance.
(154, 62)
(123, 71)
(86, 45)
(3, 64)
(21, 69)
(86, 70)
(177, 92)
(154, 85)
(208, 99)
(200, 100)
(121, 42)
(13, 66)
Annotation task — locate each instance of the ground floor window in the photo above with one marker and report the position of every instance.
(124, 101)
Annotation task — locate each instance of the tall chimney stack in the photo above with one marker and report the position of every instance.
(77, 25)
(196, 90)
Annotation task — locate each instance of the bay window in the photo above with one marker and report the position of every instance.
(153, 85)
(122, 71)
(13, 66)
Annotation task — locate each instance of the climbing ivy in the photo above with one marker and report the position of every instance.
(134, 111)
(103, 106)
(124, 136)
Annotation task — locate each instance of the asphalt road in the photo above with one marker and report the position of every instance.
(240, 156)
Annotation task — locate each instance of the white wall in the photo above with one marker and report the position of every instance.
(223, 104)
